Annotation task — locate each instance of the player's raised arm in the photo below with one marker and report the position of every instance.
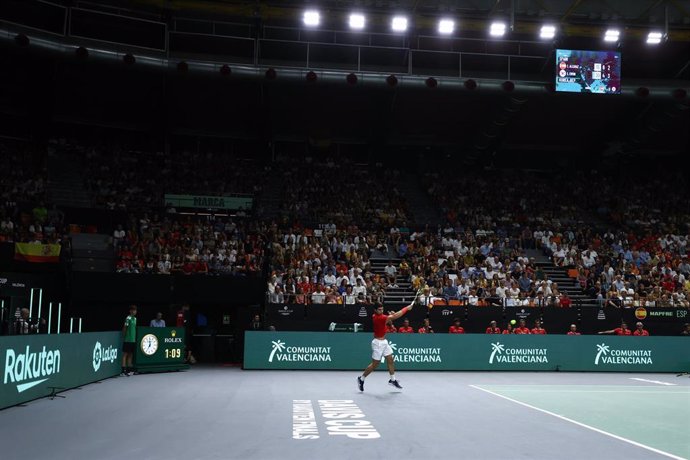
(401, 312)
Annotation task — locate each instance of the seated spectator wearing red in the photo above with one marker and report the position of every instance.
(565, 300)
(390, 327)
(509, 329)
(426, 327)
(623, 330)
(537, 329)
(493, 329)
(455, 328)
(640, 330)
(405, 328)
(573, 330)
(522, 328)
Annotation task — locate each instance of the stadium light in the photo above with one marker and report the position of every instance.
(612, 35)
(311, 18)
(547, 32)
(357, 21)
(399, 24)
(654, 38)
(446, 26)
(498, 29)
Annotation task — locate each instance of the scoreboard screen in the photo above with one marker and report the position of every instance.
(160, 349)
(588, 71)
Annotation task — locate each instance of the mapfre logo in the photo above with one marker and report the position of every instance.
(280, 351)
(101, 355)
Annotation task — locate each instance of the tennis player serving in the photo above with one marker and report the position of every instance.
(379, 346)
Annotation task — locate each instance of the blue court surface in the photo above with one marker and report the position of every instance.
(228, 413)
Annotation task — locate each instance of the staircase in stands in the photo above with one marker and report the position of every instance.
(66, 182)
(394, 297)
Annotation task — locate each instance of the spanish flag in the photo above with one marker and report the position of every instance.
(37, 253)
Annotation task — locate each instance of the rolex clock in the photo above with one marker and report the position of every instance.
(149, 344)
(160, 349)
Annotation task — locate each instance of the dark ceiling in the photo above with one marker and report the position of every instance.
(43, 88)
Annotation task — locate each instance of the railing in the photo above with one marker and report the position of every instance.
(237, 43)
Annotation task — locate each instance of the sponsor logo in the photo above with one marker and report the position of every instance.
(501, 354)
(640, 313)
(285, 311)
(173, 338)
(100, 355)
(342, 417)
(601, 314)
(681, 313)
(345, 418)
(416, 354)
(282, 352)
(607, 355)
(303, 420)
(522, 314)
(30, 368)
(362, 312)
(445, 312)
(662, 314)
(3, 280)
(210, 201)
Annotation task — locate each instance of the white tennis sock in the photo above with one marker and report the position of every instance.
(363, 376)
(392, 376)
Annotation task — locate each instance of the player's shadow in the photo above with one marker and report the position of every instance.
(387, 396)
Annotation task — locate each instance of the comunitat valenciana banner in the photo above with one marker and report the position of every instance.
(468, 352)
(34, 366)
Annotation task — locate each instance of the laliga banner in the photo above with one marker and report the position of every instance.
(33, 365)
(468, 352)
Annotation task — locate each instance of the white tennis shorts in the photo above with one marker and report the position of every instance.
(379, 349)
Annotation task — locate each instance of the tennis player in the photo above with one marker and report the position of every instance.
(379, 346)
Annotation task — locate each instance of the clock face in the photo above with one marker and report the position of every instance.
(149, 344)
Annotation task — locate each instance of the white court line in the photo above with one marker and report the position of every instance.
(658, 382)
(606, 433)
(517, 390)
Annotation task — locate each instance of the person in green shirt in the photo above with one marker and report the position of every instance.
(129, 334)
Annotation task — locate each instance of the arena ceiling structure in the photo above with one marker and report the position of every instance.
(262, 69)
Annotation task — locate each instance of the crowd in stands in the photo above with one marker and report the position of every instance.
(325, 266)
(478, 257)
(341, 192)
(131, 178)
(171, 244)
(25, 213)
(332, 214)
(333, 267)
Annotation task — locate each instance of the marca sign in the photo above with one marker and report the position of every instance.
(610, 355)
(503, 354)
(282, 352)
(29, 368)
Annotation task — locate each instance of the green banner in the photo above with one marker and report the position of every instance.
(230, 203)
(33, 366)
(468, 352)
(160, 349)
